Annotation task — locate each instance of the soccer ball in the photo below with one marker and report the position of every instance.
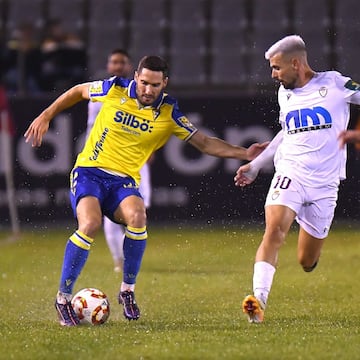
(91, 306)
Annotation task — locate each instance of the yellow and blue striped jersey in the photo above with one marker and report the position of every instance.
(125, 133)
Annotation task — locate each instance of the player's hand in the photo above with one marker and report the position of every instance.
(37, 130)
(348, 136)
(256, 149)
(245, 175)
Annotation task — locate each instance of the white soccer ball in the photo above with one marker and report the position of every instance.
(91, 306)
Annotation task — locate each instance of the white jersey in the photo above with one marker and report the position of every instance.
(312, 118)
(93, 110)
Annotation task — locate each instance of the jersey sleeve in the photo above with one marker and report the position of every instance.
(354, 87)
(184, 129)
(351, 88)
(99, 89)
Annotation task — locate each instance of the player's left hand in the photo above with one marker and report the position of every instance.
(245, 175)
(255, 150)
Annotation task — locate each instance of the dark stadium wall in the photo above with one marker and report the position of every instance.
(187, 186)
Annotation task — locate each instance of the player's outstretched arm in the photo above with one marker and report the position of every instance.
(349, 136)
(40, 125)
(220, 148)
(247, 173)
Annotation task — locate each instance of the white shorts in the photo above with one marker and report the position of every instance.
(314, 207)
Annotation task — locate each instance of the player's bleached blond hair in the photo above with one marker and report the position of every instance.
(288, 44)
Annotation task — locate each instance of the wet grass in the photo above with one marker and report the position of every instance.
(189, 291)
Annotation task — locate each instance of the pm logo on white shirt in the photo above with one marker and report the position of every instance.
(308, 119)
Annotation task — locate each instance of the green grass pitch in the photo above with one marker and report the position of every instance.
(189, 290)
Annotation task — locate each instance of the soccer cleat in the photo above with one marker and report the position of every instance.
(253, 308)
(311, 268)
(66, 313)
(127, 299)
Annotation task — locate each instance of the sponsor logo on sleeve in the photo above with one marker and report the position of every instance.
(352, 85)
(183, 120)
(96, 88)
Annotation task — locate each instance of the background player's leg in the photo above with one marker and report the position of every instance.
(145, 185)
(114, 235)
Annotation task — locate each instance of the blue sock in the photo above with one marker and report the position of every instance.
(134, 247)
(76, 254)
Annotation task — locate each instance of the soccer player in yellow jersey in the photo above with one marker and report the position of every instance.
(136, 119)
(119, 64)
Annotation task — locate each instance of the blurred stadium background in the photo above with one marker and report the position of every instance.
(219, 74)
(224, 41)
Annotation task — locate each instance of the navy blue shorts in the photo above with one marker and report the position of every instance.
(109, 189)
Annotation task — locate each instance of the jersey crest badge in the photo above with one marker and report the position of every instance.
(288, 96)
(122, 100)
(275, 195)
(323, 91)
(156, 114)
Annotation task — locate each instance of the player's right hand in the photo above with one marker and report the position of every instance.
(37, 130)
(245, 175)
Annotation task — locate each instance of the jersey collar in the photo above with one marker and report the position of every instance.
(132, 93)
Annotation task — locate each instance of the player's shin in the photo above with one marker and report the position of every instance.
(76, 254)
(134, 247)
(262, 280)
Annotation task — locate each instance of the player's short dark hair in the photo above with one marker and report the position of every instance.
(154, 63)
(120, 51)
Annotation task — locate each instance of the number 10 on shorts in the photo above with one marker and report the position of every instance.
(282, 182)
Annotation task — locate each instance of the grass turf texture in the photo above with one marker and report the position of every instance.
(189, 291)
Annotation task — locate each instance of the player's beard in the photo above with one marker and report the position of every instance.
(289, 86)
(146, 101)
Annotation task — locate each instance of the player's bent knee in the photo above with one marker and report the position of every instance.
(137, 218)
(90, 226)
(274, 238)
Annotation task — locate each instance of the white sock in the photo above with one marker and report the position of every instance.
(262, 280)
(125, 287)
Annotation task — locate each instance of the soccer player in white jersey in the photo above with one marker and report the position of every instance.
(119, 64)
(136, 119)
(314, 110)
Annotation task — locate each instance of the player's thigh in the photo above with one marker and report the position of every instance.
(131, 211)
(316, 216)
(89, 215)
(283, 201)
(278, 220)
(309, 248)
